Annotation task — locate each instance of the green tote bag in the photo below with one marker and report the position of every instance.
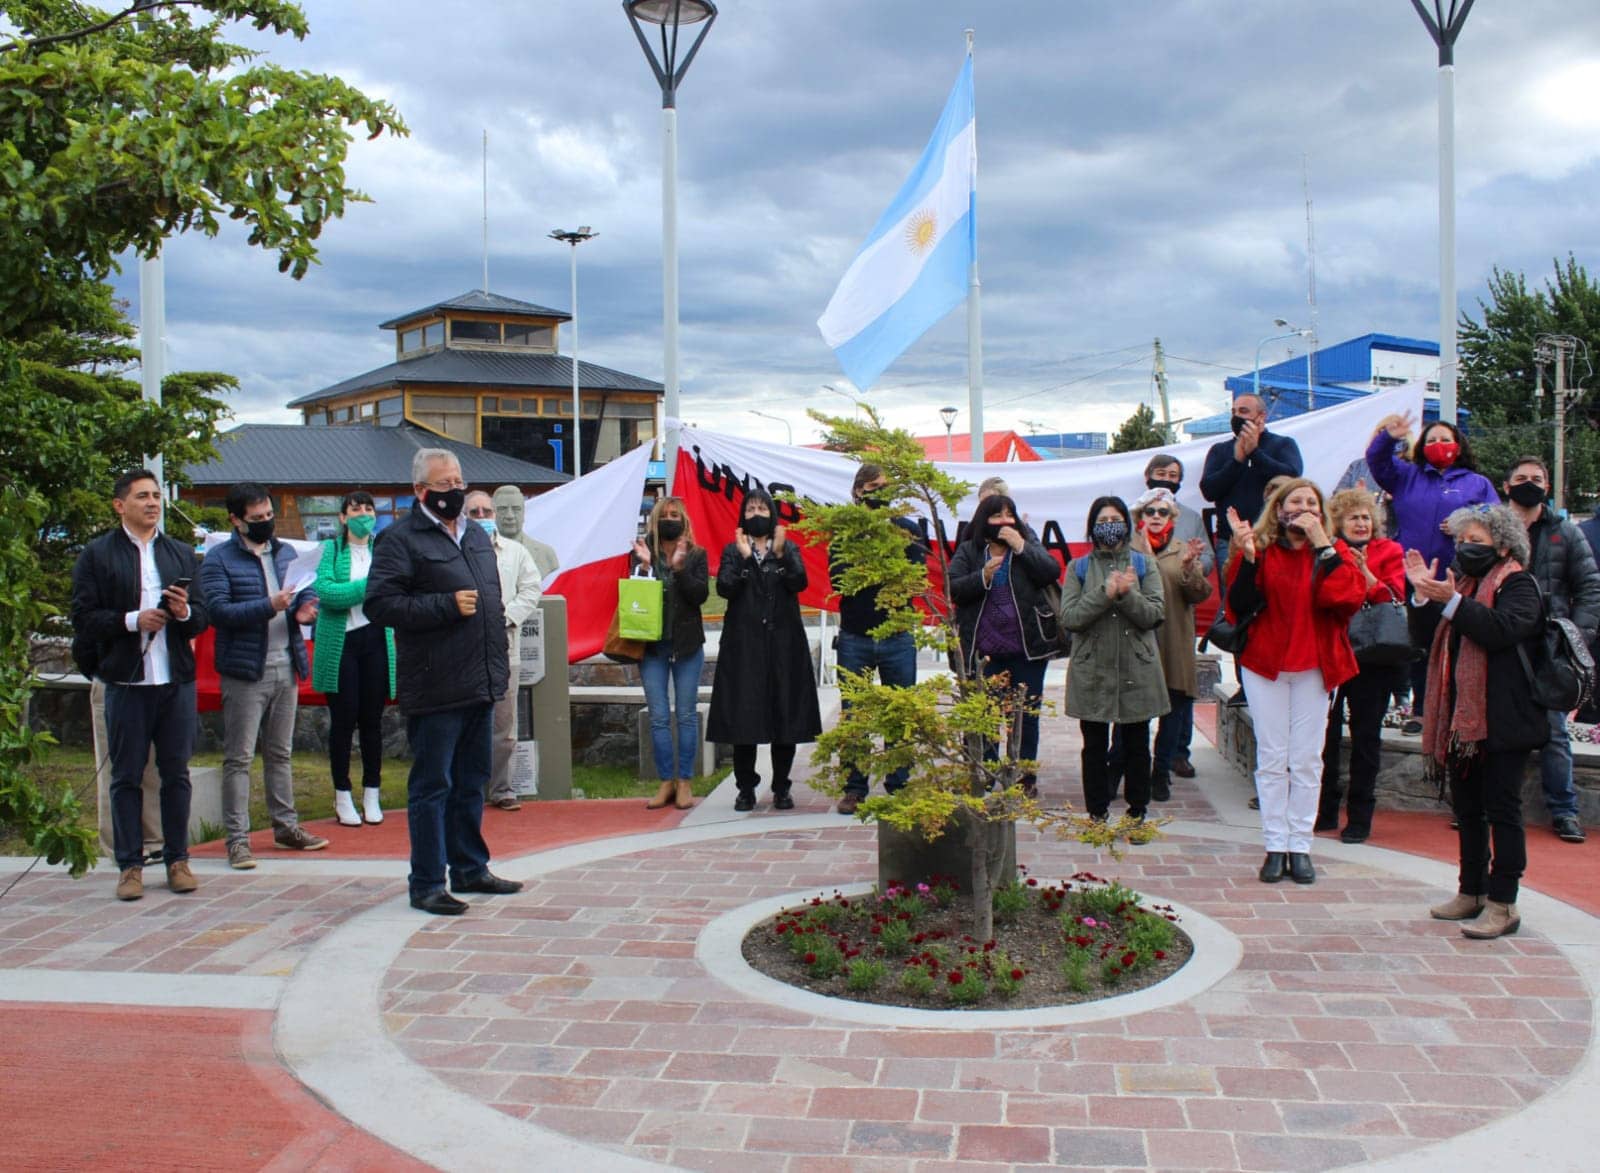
(639, 608)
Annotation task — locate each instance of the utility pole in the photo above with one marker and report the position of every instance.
(1555, 348)
(1161, 386)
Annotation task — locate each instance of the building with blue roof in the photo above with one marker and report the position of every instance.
(1335, 374)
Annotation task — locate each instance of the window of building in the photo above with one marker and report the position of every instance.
(391, 411)
(491, 403)
(461, 426)
(340, 415)
(433, 334)
(524, 334)
(316, 417)
(410, 340)
(367, 410)
(530, 406)
(471, 331)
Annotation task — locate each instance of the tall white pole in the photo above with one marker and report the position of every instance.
(486, 210)
(153, 342)
(669, 286)
(577, 401)
(974, 314)
(1447, 243)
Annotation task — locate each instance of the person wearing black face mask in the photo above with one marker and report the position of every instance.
(1237, 470)
(435, 580)
(1564, 564)
(668, 551)
(763, 692)
(1481, 719)
(261, 659)
(1165, 471)
(1006, 624)
(894, 659)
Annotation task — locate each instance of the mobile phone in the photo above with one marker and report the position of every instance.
(180, 583)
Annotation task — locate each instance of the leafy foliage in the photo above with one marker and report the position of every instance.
(1138, 432)
(1497, 373)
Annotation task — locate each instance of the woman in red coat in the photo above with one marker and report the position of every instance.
(1302, 587)
(1382, 564)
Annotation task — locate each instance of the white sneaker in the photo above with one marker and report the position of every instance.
(369, 804)
(344, 808)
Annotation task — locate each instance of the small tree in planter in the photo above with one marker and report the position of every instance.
(938, 728)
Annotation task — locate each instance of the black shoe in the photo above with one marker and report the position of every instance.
(782, 800)
(746, 801)
(1411, 727)
(1272, 867)
(1326, 823)
(1354, 834)
(1569, 829)
(439, 903)
(1238, 700)
(1161, 787)
(1183, 768)
(1300, 869)
(490, 884)
(1255, 802)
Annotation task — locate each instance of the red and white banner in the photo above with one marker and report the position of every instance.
(592, 523)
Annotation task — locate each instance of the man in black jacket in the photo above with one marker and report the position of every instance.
(1564, 565)
(1237, 470)
(135, 616)
(434, 580)
(894, 658)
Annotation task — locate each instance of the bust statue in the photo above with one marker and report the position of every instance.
(509, 507)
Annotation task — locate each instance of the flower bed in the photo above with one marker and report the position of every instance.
(1077, 940)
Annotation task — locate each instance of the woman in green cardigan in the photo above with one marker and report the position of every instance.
(354, 660)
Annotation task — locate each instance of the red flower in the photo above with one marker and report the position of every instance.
(811, 959)
(1128, 959)
(1016, 975)
(957, 977)
(780, 929)
(1115, 971)
(988, 946)
(876, 930)
(1160, 953)
(1032, 883)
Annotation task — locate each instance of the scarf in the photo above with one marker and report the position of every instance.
(1456, 732)
(1158, 539)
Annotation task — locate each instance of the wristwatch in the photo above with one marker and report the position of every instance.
(1328, 552)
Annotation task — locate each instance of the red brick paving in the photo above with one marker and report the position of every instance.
(122, 1087)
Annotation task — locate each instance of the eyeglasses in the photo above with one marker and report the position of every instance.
(458, 483)
(1158, 513)
(489, 512)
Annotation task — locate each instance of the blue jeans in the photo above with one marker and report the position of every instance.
(657, 669)
(895, 659)
(444, 795)
(1030, 673)
(1555, 770)
(1173, 732)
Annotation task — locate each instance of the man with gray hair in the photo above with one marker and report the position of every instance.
(434, 580)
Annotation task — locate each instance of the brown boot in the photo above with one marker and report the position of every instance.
(180, 878)
(662, 798)
(131, 885)
(685, 794)
(1458, 907)
(1498, 920)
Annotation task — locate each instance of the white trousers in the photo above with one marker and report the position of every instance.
(1290, 715)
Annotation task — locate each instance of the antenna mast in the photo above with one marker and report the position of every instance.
(1311, 282)
(486, 209)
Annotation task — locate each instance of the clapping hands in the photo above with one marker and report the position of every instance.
(1120, 582)
(1242, 535)
(1422, 575)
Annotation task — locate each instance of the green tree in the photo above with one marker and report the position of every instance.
(937, 728)
(1498, 378)
(117, 130)
(1138, 432)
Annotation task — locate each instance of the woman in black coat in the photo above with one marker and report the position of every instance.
(1489, 610)
(763, 692)
(1006, 624)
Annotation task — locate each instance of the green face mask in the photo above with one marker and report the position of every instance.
(361, 525)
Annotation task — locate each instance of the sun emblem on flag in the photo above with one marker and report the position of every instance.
(921, 231)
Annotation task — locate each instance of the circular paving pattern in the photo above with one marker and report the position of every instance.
(1352, 1028)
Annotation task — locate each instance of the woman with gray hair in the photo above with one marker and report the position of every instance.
(1480, 738)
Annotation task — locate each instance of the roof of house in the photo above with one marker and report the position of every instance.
(477, 299)
(486, 368)
(998, 447)
(353, 455)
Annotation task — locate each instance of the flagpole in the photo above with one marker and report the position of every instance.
(974, 307)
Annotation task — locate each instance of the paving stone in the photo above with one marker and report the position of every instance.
(871, 1136)
(864, 1103)
(1190, 1150)
(786, 1135)
(962, 1107)
(1296, 1153)
(1098, 1149)
(1167, 1078)
(990, 1142)
(1050, 1111)
(1131, 1112)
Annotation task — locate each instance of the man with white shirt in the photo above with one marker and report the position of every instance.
(520, 586)
(135, 612)
(261, 659)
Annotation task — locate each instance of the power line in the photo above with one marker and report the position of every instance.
(1138, 358)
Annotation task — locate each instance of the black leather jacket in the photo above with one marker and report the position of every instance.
(105, 587)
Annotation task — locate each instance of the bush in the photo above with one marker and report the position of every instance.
(865, 975)
(1011, 901)
(916, 980)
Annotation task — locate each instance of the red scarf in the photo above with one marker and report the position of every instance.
(1458, 731)
(1157, 540)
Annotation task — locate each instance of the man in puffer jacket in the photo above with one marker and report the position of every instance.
(435, 581)
(261, 660)
(1564, 565)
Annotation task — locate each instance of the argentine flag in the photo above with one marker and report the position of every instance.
(912, 270)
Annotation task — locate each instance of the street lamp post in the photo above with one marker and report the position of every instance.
(788, 432)
(1273, 338)
(669, 16)
(854, 402)
(575, 239)
(948, 415)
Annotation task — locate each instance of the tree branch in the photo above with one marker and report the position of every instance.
(139, 6)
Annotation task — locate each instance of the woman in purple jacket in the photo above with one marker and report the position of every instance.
(1427, 484)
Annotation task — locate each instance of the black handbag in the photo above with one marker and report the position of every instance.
(1379, 634)
(1227, 636)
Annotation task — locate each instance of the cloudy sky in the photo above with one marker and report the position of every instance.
(1141, 175)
